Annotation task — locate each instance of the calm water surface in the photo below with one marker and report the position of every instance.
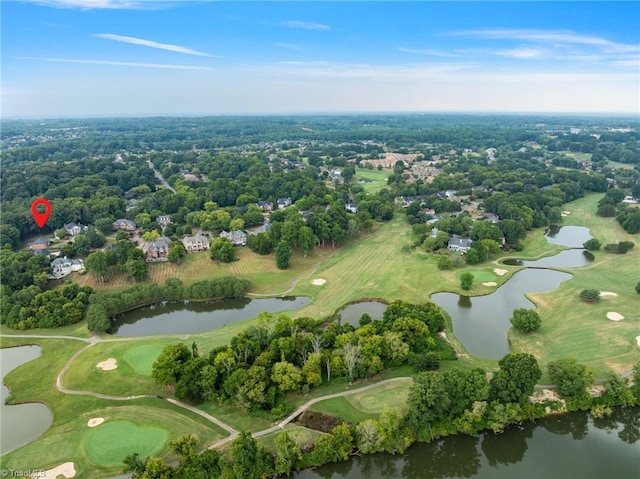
(190, 317)
(571, 446)
(351, 314)
(20, 423)
(481, 322)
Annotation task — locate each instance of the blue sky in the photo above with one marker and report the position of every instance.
(65, 58)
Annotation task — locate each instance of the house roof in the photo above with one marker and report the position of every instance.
(41, 240)
(160, 244)
(197, 238)
(121, 221)
(461, 242)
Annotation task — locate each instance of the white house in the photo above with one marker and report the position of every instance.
(351, 208)
(61, 267)
(459, 244)
(284, 202)
(74, 229)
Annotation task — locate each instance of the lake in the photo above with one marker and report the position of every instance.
(481, 322)
(186, 317)
(573, 445)
(21, 423)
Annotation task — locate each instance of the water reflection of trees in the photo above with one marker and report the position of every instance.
(493, 445)
(576, 424)
(625, 420)
(458, 456)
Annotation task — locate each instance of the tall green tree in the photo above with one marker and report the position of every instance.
(514, 382)
(283, 255)
(570, 377)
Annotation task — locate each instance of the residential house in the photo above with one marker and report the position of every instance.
(351, 208)
(284, 202)
(163, 221)
(61, 267)
(459, 244)
(123, 224)
(43, 252)
(157, 250)
(196, 243)
(630, 199)
(39, 244)
(265, 205)
(238, 238)
(74, 229)
(264, 228)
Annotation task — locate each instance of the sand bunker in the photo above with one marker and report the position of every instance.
(638, 340)
(604, 294)
(490, 283)
(318, 282)
(95, 421)
(566, 212)
(67, 470)
(107, 364)
(613, 316)
(500, 272)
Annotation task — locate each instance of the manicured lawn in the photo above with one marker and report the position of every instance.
(572, 328)
(109, 443)
(301, 435)
(378, 179)
(132, 376)
(265, 277)
(65, 439)
(368, 404)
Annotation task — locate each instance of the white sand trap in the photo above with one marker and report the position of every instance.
(318, 281)
(613, 316)
(604, 294)
(67, 470)
(95, 421)
(107, 364)
(490, 283)
(638, 340)
(566, 212)
(500, 272)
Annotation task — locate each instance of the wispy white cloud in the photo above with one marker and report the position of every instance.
(98, 4)
(306, 25)
(429, 52)
(521, 52)
(152, 44)
(289, 46)
(321, 69)
(556, 38)
(117, 63)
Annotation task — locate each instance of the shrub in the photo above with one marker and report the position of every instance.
(590, 295)
(526, 320)
(592, 245)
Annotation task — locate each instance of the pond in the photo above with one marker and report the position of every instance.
(351, 313)
(21, 423)
(481, 323)
(191, 317)
(571, 236)
(569, 446)
(571, 258)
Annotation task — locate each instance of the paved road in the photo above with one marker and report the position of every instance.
(160, 177)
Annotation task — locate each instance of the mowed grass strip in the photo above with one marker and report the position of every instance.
(367, 404)
(301, 435)
(109, 443)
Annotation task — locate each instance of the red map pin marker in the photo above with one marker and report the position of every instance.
(41, 218)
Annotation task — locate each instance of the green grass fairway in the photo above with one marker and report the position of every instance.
(483, 276)
(378, 179)
(301, 435)
(368, 404)
(142, 357)
(133, 374)
(109, 443)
